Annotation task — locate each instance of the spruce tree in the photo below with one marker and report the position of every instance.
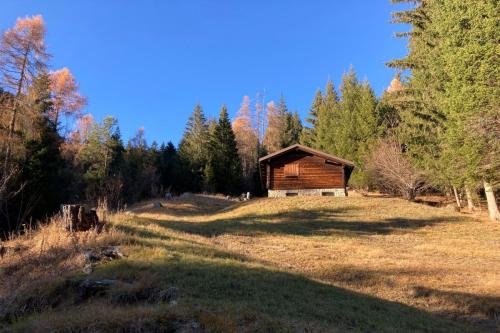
(326, 122)
(293, 128)
(284, 115)
(356, 127)
(224, 171)
(193, 148)
(43, 169)
(466, 67)
(453, 87)
(422, 122)
(308, 134)
(167, 164)
(346, 126)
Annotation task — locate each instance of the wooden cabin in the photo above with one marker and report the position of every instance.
(300, 170)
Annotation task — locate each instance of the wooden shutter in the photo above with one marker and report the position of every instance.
(292, 170)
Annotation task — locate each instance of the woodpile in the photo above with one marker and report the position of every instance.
(77, 218)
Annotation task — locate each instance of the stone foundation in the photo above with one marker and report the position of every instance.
(334, 192)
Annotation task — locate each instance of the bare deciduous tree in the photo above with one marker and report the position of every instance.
(393, 171)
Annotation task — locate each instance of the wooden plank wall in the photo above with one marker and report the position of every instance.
(314, 173)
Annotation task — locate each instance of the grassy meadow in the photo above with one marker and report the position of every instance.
(298, 264)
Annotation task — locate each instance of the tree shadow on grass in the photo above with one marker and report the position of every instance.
(243, 292)
(482, 309)
(323, 222)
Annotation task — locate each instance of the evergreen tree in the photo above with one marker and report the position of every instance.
(356, 127)
(98, 156)
(141, 168)
(422, 123)
(284, 114)
(454, 89)
(44, 171)
(293, 128)
(167, 168)
(326, 122)
(308, 134)
(224, 173)
(466, 67)
(347, 126)
(209, 180)
(193, 147)
(389, 108)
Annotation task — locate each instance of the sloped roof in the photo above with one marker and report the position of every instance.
(307, 150)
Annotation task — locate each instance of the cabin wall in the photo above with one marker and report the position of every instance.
(314, 173)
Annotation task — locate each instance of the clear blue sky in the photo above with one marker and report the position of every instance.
(149, 62)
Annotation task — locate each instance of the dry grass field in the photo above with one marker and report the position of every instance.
(296, 264)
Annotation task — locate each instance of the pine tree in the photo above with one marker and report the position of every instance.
(224, 167)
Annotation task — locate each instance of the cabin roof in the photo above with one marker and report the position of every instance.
(297, 146)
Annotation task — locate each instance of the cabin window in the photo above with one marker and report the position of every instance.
(292, 170)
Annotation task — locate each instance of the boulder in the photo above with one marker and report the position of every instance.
(89, 288)
(103, 253)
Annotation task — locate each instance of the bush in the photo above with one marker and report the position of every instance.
(393, 172)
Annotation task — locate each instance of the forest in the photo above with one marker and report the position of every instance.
(435, 129)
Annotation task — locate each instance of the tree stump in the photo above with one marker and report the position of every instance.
(76, 218)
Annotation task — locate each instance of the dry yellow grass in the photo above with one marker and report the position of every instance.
(293, 264)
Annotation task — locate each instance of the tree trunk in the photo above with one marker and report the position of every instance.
(470, 203)
(12, 125)
(492, 204)
(457, 199)
(410, 194)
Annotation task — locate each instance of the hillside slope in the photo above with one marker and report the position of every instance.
(203, 263)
